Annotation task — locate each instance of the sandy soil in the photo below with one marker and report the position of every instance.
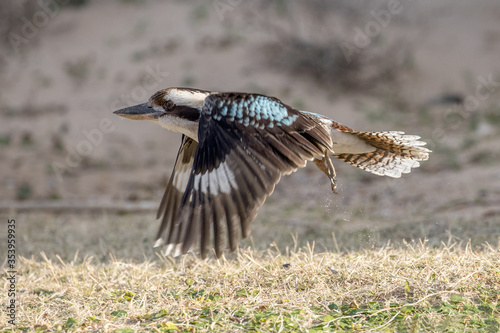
(58, 92)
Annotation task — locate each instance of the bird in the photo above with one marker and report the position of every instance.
(234, 149)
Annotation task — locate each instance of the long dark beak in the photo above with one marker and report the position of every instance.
(139, 112)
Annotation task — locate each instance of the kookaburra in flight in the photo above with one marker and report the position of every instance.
(235, 148)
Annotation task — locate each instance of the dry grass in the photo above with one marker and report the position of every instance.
(94, 271)
(396, 289)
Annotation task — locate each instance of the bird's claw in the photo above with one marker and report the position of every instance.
(333, 181)
(331, 173)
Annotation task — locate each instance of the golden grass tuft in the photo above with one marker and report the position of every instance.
(388, 288)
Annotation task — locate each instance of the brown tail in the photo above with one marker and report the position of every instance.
(392, 153)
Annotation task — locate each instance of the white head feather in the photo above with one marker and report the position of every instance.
(186, 97)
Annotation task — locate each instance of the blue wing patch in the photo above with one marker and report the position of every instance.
(254, 110)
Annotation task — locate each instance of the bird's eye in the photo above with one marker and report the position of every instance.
(168, 105)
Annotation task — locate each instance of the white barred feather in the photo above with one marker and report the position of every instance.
(395, 153)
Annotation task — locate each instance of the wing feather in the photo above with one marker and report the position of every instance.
(206, 220)
(246, 143)
(171, 200)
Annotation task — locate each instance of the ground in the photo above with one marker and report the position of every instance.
(82, 183)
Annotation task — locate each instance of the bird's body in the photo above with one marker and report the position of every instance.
(234, 149)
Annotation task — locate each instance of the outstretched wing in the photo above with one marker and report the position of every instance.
(171, 200)
(246, 142)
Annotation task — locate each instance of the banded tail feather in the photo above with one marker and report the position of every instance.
(390, 153)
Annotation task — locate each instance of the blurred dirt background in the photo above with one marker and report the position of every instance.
(68, 166)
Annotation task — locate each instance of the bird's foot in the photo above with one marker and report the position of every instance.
(331, 173)
(333, 181)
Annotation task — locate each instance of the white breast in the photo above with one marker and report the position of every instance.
(180, 125)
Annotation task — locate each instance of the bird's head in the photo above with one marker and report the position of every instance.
(176, 109)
